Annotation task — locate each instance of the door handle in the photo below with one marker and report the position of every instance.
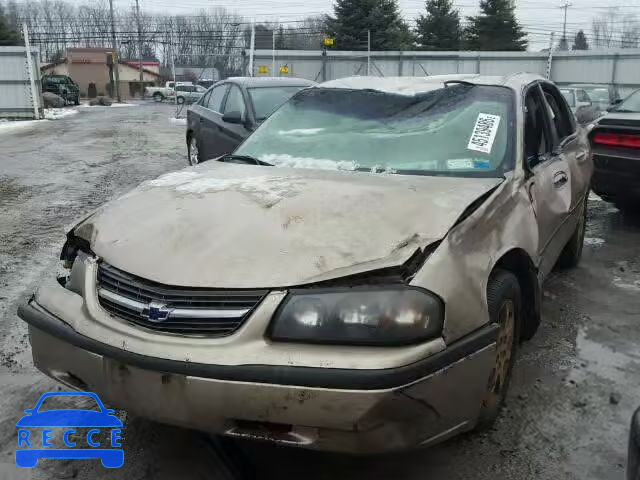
(560, 179)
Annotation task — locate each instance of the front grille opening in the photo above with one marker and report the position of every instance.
(159, 307)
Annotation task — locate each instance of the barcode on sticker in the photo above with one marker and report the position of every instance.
(484, 133)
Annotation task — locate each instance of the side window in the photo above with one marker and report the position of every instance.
(582, 96)
(235, 102)
(562, 120)
(215, 98)
(536, 142)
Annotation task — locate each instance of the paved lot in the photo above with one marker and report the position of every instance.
(559, 423)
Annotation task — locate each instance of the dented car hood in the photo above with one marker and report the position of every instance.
(238, 226)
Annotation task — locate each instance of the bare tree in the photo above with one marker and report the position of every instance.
(604, 27)
(630, 32)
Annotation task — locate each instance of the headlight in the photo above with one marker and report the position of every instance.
(372, 316)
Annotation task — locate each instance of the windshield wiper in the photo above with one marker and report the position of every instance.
(244, 159)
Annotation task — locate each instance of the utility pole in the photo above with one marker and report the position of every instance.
(115, 58)
(368, 52)
(140, 47)
(252, 47)
(564, 43)
(550, 57)
(273, 53)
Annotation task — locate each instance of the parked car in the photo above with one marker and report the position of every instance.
(580, 105)
(189, 93)
(63, 86)
(616, 148)
(357, 276)
(601, 95)
(231, 110)
(163, 93)
(633, 461)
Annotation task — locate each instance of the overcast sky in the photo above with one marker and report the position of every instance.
(539, 17)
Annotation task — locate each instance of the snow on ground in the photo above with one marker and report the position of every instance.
(594, 241)
(57, 113)
(113, 105)
(10, 126)
(178, 121)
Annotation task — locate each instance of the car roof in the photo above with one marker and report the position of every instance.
(589, 85)
(416, 85)
(253, 82)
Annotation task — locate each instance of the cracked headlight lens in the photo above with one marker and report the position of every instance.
(373, 316)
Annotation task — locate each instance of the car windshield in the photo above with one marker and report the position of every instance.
(461, 130)
(630, 104)
(267, 99)
(59, 80)
(62, 402)
(598, 94)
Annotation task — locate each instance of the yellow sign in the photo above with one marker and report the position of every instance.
(284, 69)
(328, 41)
(263, 70)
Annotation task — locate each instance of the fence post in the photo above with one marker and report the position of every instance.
(32, 81)
(478, 63)
(614, 69)
(400, 64)
(324, 64)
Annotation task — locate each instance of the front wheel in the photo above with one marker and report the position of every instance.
(180, 100)
(504, 301)
(158, 97)
(193, 151)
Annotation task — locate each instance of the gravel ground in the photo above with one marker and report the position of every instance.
(575, 384)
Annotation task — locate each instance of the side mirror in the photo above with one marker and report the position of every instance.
(617, 101)
(232, 117)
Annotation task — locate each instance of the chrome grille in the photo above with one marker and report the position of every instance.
(174, 309)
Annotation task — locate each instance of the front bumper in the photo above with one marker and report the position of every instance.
(616, 175)
(336, 409)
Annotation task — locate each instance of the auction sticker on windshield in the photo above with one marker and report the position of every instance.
(484, 133)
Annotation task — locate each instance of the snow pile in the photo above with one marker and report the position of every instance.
(58, 113)
(301, 131)
(285, 160)
(266, 188)
(178, 121)
(116, 105)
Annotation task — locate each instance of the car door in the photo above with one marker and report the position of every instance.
(232, 134)
(210, 123)
(549, 183)
(573, 145)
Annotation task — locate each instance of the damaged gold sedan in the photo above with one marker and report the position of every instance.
(356, 277)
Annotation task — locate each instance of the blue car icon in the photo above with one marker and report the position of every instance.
(69, 419)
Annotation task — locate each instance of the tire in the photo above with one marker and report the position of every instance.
(180, 100)
(504, 300)
(194, 159)
(158, 97)
(572, 251)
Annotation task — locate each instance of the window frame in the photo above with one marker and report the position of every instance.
(226, 99)
(535, 90)
(223, 100)
(564, 111)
